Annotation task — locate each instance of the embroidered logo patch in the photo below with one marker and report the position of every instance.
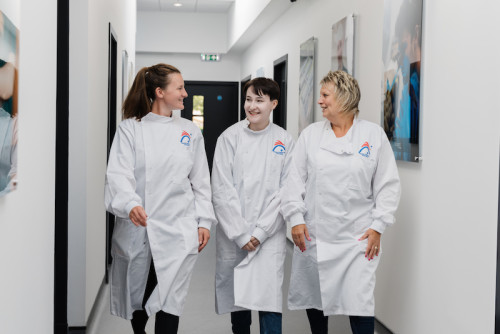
(279, 148)
(185, 138)
(365, 149)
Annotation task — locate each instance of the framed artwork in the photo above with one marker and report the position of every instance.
(306, 83)
(9, 42)
(343, 45)
(401, 56)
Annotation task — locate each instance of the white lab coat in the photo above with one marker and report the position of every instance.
(160, 164)
(348, 185)
(248, 172)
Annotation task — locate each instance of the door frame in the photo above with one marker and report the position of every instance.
(61, 172)
(282, 104)
(497, 293)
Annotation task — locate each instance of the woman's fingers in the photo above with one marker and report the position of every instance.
(255, 242)
(249, 247)
(203, 237)
(373, 245)
(306, 233)
(138, 216)
(298, 234)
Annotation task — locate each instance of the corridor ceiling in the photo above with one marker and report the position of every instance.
(188, 6)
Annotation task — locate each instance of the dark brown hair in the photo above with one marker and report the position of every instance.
(142, 93)
(263, 86)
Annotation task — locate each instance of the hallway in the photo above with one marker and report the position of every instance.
(199, 313)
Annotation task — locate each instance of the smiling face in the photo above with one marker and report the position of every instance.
(328, 102)
(258, 109)
(172, 97)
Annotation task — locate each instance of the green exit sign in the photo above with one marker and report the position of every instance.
(210, 57)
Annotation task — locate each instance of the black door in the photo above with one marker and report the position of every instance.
(280, 76)
(214, 107)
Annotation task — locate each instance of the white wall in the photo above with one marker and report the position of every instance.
(437, 274)
(240, 17)
(27, 214)
(88, 128)
(191, 66)
(181, 32)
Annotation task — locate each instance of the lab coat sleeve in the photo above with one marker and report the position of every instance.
(120, 196)
(225, 196)
(386, 187)
(293, 191)
(268, 223)
(200, 183)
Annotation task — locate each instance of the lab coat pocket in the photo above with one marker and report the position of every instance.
(182, 187)
(360, 226)
(189, 228)
(124, 236)
(362, 247)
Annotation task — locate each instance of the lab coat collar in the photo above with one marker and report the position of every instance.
(246, 125)
(331, 143)
(152, 117)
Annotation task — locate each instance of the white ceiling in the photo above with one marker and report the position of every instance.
(188, 6)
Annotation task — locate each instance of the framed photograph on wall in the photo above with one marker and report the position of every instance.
(306, 83)
(9, 44)
(401, 57)
(343, 45)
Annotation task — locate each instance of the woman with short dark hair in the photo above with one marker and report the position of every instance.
(250, 165)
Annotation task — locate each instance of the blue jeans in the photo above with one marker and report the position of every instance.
(270, 322)
(359, 325)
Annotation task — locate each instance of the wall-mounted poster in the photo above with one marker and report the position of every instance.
(401, 57)
(343, 45)
(306, 83)
(8, 103)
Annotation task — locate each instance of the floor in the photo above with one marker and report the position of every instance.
(199, 313)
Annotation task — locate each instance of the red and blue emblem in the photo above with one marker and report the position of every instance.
(365, 149)
(185, 138)
(279, 148)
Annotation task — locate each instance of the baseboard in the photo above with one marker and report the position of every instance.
(380, 328)
(97, 309)
(77, 330)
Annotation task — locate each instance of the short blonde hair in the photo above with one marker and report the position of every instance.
(346, 90)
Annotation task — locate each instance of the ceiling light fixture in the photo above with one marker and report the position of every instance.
(177, 4)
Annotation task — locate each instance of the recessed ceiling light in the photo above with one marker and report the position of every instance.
(177, 4)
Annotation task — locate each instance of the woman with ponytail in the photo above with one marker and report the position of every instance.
(158, 187)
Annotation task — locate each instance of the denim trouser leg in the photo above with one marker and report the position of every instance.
(270, 322)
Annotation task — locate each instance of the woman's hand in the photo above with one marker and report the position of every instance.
(373, 247)
(138, 216)
(298, 234)
(203, 236)
(251, 245)
(255, 242)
